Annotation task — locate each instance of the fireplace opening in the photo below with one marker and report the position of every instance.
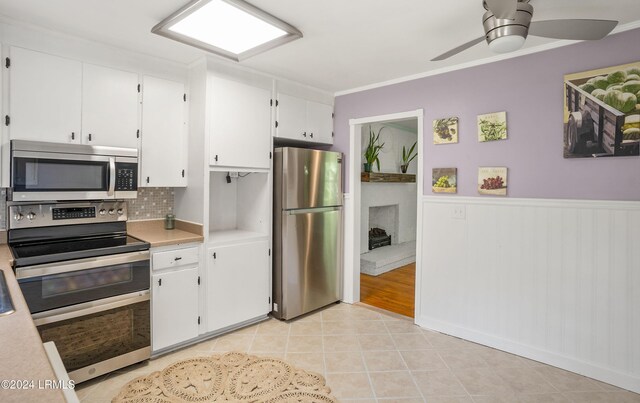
(378, 238)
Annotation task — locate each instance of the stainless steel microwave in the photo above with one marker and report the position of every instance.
(51, 171)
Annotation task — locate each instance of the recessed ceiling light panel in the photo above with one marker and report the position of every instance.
(230, 28)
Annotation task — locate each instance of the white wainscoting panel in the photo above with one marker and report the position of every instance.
(557, 281)
(350, 284)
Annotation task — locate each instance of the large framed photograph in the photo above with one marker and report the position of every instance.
(602, 112)
(492, 181)
(492, 126)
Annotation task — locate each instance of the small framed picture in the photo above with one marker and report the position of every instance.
(492, 126)
(444, 180)
(445, 131)
(492, 181)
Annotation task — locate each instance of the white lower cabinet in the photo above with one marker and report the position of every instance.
(238, 287)
(174, 296)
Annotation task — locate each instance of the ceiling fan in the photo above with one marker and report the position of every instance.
(507, 23)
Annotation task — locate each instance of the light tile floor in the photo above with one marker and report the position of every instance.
(368, 356)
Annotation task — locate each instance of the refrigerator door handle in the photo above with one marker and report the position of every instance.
(312, 210)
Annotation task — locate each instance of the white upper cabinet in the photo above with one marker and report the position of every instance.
(164, 135)
(303, 120)
(65, 101)
(320, 122)
(45, 97)
(240, 125)
(291, 115)
(109, 107)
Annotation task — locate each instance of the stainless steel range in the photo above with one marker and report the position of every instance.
(86, 282)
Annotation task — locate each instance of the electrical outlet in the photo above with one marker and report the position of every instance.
(459, 212)
(233, 174)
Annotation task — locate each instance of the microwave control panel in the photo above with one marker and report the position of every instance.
(126, 176)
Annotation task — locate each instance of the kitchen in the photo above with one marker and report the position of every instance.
(217, 185)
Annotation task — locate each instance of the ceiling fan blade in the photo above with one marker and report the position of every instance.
(503, 9)
(457, 50)
(572, 29)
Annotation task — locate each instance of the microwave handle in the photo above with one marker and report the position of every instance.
(112, 176)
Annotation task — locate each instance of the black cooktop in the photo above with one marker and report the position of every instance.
(64, 243)
(49, 252)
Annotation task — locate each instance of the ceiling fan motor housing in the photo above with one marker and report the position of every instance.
(496, 28)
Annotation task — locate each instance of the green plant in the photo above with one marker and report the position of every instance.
(373, 148)
(406, 156)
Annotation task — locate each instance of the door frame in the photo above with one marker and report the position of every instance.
(351, 289)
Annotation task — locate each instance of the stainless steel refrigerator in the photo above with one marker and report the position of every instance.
(307, 258)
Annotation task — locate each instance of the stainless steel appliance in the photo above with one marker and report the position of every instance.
(307, 258)
(86, 282)
(43, 171)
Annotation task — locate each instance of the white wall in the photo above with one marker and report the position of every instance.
(557, 281)
(391, 154)
(384, 194)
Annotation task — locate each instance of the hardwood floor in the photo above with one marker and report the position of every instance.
(392, 291)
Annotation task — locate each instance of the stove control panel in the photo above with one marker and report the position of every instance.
(67, 213)
(50, 214)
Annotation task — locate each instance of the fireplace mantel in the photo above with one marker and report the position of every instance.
(387, 177)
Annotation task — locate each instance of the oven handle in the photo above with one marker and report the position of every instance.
(112, 176)
(83, 264)
(89, 308)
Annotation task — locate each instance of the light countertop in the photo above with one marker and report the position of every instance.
(22, 355)
(153, 231)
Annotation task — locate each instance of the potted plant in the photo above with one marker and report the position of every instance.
(407, 157)
(372, 151)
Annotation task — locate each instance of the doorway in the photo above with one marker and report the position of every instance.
(385, 276)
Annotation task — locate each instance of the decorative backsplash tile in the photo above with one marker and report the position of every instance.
(151, 203)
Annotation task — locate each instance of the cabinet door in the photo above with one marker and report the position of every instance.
(320, 122)
(291, 115)
(238, 284)
(45, 97)
(240, 125)
(109, 107)
(174, 302)
(164, 136)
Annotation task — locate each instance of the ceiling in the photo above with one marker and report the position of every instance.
(347, 43)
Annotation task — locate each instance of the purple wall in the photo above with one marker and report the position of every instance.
(529, 89)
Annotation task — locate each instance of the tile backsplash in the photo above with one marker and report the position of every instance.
(151, 203)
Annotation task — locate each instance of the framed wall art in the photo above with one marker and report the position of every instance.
(492, 126)
(445, 131)
(602, 112)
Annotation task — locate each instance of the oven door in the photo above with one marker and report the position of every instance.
(55, 285)
(57, 176)
(98, 337)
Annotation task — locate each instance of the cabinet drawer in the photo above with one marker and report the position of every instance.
(174, 258)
